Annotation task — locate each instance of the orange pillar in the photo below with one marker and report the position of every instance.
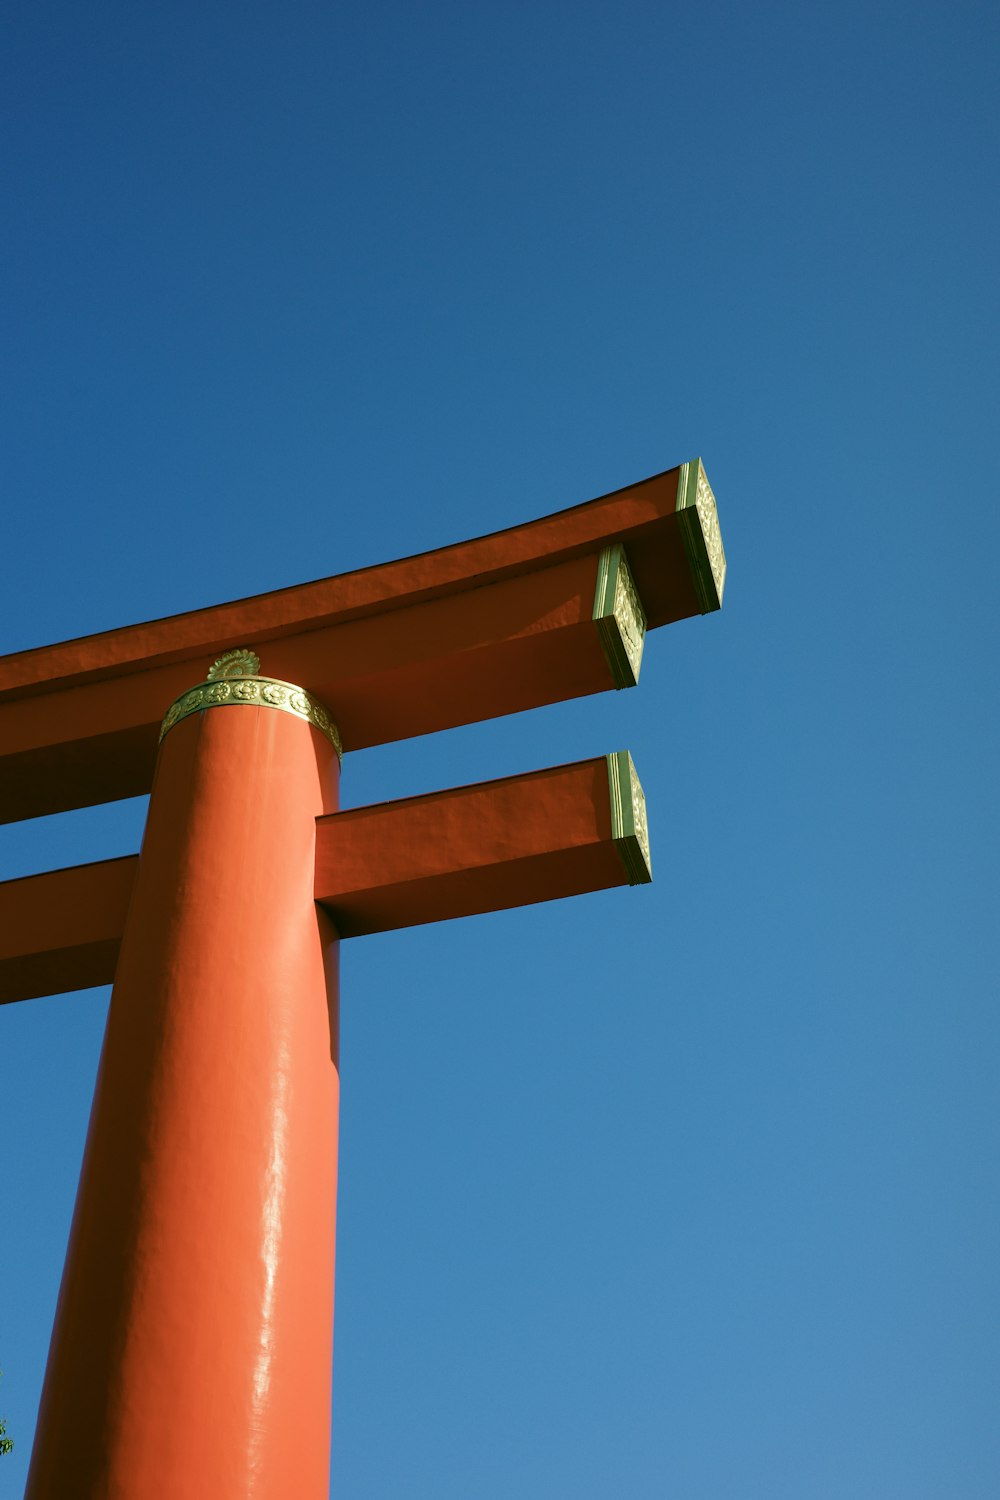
(192, 1349)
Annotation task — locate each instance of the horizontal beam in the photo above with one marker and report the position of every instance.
(470, 849)
(476, 849)
(506, 622)
(62, 930)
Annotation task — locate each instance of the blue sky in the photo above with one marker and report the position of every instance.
(682, 1191)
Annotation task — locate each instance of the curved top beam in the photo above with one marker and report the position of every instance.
(486, 627)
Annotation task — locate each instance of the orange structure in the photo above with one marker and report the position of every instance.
(199, 1275)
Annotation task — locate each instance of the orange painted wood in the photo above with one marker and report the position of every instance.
(192, 1349)
(62, 930)
(470, 849)
(487, 627)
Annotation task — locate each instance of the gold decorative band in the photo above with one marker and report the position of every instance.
(699, 523)
(629, 826)
(619, 616)
(225, 688)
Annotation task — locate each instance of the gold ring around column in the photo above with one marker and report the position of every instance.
(233, 680)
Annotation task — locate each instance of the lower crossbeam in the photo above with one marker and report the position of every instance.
(455, 853)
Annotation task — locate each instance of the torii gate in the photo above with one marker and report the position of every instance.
(199, 1275)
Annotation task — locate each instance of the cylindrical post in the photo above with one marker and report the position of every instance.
(192, 1350)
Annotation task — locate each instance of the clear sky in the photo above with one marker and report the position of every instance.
(688, 1191)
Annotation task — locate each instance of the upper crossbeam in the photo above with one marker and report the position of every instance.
(506, 622)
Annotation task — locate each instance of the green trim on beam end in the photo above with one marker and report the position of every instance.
(629, 828)
(619, 616)
(702, 537)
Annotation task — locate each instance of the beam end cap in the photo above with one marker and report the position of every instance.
(629, 823)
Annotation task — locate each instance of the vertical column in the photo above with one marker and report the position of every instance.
(192, 1349)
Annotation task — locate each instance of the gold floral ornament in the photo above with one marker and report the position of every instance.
(238, 663)
(233, 679)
